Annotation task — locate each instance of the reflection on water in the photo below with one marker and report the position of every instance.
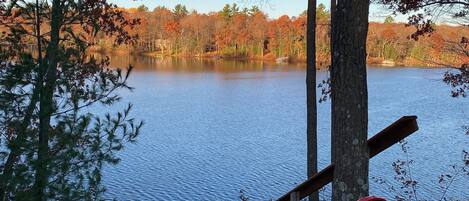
(215, 127)
(176, 64)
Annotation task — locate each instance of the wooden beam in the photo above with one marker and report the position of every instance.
(394, 133)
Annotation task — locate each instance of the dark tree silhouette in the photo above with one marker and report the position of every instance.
(51, 148)
(312, 143)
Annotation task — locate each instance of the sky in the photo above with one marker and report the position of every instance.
(274, 8)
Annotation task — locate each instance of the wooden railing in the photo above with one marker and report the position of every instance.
(394, 133)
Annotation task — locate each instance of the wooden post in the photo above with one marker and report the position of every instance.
(294, 196)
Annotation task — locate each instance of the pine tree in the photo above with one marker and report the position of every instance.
(51, 147)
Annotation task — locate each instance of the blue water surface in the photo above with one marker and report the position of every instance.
(215, 128)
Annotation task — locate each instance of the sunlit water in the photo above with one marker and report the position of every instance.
(214, 128)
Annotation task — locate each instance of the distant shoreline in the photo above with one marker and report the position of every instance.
(375, 62)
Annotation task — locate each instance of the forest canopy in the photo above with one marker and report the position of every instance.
(235, 32)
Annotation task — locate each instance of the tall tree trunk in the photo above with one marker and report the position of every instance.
(311, 128)
(46, 102)
(349, 100)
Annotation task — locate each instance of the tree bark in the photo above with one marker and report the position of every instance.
(311, 128)
(46, 102)
(349, 100)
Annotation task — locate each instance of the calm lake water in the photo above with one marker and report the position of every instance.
(214, 128)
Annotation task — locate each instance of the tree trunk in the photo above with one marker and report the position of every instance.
(311, 128)
(46, 102)
(349, 100)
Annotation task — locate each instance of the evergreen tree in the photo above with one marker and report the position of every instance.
(253, 10)
(389, 20)
(322, 13)
(142, 8)
(180, 11)
(52, 149)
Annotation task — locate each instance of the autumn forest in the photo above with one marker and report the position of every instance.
(248, 33)
(90, 110)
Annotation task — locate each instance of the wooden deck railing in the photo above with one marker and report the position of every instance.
(394, 133)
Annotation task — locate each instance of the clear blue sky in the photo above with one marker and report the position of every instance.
(274, 8)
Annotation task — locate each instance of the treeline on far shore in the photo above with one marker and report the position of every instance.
(248, 33)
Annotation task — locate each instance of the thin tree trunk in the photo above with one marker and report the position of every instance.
(349, 100)
(38, 33)
(311, 128)
(15, 149)
(46, 102)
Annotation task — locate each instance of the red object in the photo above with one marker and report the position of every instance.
(372, 198)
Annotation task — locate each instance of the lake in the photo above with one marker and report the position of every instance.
(216, 127)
